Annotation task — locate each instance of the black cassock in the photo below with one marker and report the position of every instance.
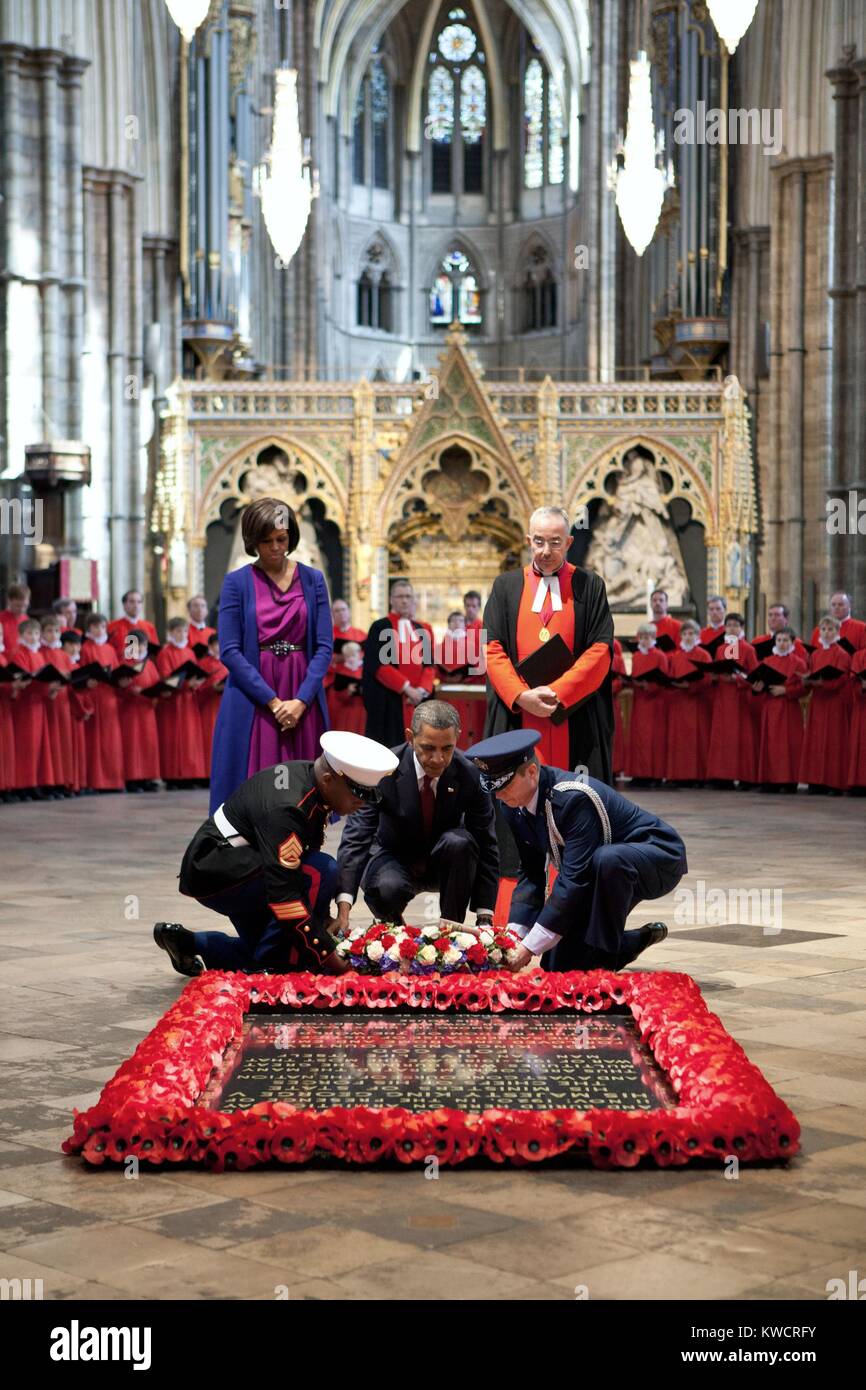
(590, 728)
(610, 855)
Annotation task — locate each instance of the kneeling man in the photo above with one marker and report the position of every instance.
(433, 829)
(257, 860)
(609, 854)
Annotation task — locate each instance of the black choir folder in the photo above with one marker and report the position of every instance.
(551, 660)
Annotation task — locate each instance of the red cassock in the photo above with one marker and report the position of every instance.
(781, 733)
(346, 707)
(8, 781)
(410, 666)
(460, 651)
(81, 710)
(209, 700)
(138, 728)
(732, 755)
(102, 731)
(34, 765)
(857, 738)
(58, 719)
(667, 627)
(799, 647)
(339, 709)
(181, 751)
(688, 713)
(581, 679)
(617, 666)
(117, 633)
(342, 635)
(197, 635)
(9, 624)
(826, 749)
(646, 746)
(852, 630)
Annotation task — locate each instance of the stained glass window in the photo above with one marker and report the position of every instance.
(441, 299)
(473, 104)
(470, 300)
(533, 124)
(555, 155)
(440, 105)
(455, 260)
(457, 43)
(455, 293)
(380, 95)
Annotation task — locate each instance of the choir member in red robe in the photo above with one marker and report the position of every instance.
(732, 755)
(58, 715)
(200, 632)
(781, 733)
(8, 781)
(826, 749)
(80, 708)
(688, 711)
(618, 669)
(343, 632)
(34, 765)
(65, 611)
(398, 668)
(665, 625)
(778, 616)
(119, 630)
(210, 695)
(13, 615)
(181, 750)
(527, 608)
(138, 717)
(345, 698)
(715, 627)
(851, 630)
(646, 746)
(457, 664)
(857, 738)
(102, 731)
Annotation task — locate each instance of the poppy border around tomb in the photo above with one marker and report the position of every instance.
(149, 1109)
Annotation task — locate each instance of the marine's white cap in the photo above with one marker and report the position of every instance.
(360, 760)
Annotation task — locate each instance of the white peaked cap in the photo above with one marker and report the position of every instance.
(362, 759)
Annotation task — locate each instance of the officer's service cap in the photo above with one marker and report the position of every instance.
(362, 761)
(499, 757)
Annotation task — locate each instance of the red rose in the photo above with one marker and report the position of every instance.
(442, 945)
(388, 940)
(477, 954)
(408, 949)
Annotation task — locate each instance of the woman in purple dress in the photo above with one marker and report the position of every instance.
(276, 639)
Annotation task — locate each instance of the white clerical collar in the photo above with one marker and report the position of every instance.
(547, 584)
(649, 646)
(421, 774)
(716, 626)
(687, 646)
(177, 643)
(52, 646)
(99, 641)
(29, 645)
(201, 626)
(776, 651)
(827, 645)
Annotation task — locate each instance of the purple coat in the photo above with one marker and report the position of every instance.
(245, 687)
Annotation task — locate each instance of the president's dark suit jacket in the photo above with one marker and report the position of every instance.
(396, 826)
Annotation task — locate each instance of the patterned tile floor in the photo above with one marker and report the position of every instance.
(84, 881)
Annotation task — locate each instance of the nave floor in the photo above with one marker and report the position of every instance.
(83, 982)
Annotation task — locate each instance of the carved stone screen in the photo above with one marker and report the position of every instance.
(468, 1063)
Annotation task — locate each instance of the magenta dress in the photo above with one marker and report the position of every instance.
(282, 617)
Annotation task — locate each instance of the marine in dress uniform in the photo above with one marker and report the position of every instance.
(258, 861)
(609, 856)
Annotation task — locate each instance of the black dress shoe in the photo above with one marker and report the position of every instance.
(179, 945)
(650, 935)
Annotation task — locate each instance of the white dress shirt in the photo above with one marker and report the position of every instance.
(420, 774)
(536, 939)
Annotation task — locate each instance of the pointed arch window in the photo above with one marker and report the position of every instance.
(372, 127)
(455, 292)
(456, 117)
(376, 289)
(539, 293)
(543, 128)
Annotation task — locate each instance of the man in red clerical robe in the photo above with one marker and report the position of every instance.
(199, 631)
(525, 610)
(210, 696)
(732, 755)
(34, 764)
(138, 729)
(102, 731)
(780, 742)
(688, 710)
(646, 745)
(58, 714)
(181, 750)
(826, 749)
(13, 615)
(857, 739)
(617, 670)
(398, 668)
(778, 616)
(118, 631)
(715, 628)
(665, 625)
(851, 629)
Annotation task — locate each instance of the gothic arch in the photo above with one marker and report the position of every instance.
(687, 482)
(320, 482)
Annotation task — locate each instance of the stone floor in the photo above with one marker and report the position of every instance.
(84, 881)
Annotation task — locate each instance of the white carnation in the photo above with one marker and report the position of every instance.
(452, 956)
(431, 931)
(486, 938)
(511, 956)
(375, 950)
(427, 955)
(495, 955)
(464, 940)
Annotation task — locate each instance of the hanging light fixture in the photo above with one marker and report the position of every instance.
(188, 15)
(732, 18)
(638, 182)
(284, 183)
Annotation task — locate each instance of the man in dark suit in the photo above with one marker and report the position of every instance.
(432, 830)
(608, 853)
